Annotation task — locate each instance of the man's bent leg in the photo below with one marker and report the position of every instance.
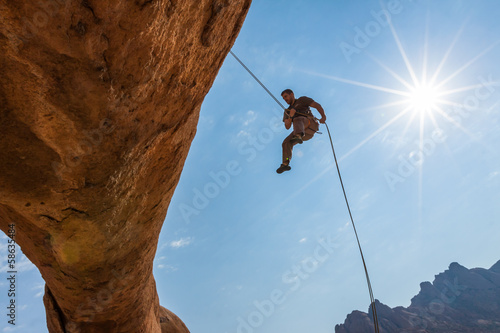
(287, 149)
(299, 125)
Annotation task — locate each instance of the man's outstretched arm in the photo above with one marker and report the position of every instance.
(318, 107)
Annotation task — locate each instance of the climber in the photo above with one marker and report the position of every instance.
(304, 123)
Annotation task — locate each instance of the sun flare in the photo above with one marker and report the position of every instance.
(424, 98)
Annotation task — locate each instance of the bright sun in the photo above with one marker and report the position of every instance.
(421, 96)
(424, 98)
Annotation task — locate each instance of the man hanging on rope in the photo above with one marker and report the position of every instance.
(304, 124)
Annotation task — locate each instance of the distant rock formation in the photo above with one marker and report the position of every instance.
(459, 300)
(99, 103)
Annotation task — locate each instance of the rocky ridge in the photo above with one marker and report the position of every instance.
(459, 300)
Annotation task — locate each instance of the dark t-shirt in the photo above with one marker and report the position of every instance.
(301, 105)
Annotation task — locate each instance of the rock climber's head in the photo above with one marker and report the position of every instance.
(288, 96)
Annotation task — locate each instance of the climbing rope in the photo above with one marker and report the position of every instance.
(256, 79)
(372, 299)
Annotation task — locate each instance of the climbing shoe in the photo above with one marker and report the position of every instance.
(283, 168)
(296, 139)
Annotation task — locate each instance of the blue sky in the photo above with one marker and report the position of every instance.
(246, 250)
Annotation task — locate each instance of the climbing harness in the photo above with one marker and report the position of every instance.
(311, 119)
(372, 299)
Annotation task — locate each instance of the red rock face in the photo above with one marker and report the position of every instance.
(99, 103)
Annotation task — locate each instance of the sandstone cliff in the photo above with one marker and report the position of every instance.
(99, 102)
(459, 300)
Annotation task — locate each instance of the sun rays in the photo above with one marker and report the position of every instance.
(423, 96)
